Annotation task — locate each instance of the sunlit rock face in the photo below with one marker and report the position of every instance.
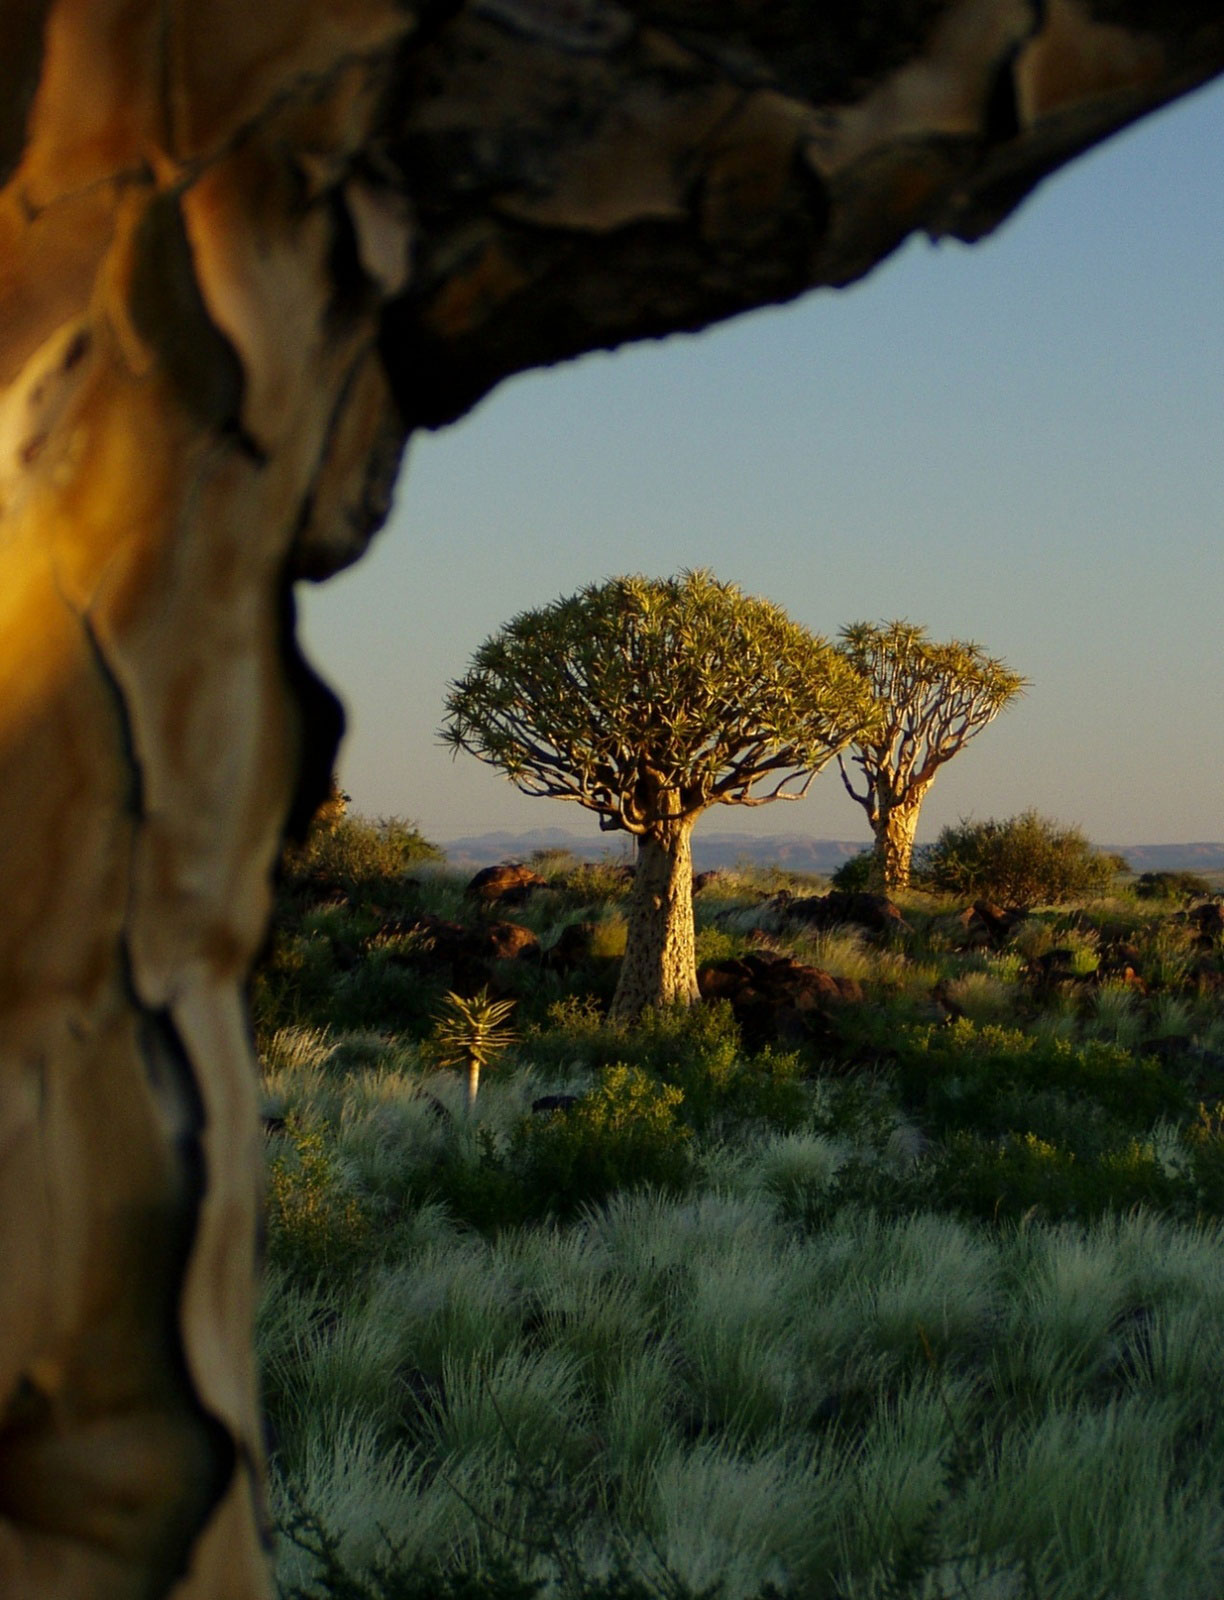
(244, 250)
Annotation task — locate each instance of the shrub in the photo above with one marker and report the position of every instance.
(696, 1049)
(1023, 1174)
(354, 850)
(855, 873)
(1022, 860)
(315, 1223)
(1171, 886)
(1205, 1139)
(623, 1134)
(992, 1078)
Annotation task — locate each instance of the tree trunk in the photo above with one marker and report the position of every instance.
(244, 248)
(185, 394)
(894, 847)
(659, 966)
(895, 825)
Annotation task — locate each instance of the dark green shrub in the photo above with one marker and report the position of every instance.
(855, 873)
(315, 1223)
(1205, 1140)
(1022, 1174)
(482, 1190)
(624, 1134)
(1171, 886)
(695, 1048)
(1022, 860)
(353, 851)
(964, 1076)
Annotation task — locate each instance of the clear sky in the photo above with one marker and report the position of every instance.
(1018, 442)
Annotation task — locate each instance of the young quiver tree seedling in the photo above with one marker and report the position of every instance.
(470, 1032)
(647, 701)
(934, 698)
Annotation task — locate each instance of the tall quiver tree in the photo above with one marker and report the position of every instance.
(934, 698)
(647, 701)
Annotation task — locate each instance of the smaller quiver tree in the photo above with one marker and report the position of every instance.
(647, 701)
(933, 698)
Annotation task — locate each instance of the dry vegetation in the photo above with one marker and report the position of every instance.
(919, 1295)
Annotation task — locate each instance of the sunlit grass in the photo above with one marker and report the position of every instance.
(807, 1368)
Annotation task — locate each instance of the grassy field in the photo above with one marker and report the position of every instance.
(913, 1293)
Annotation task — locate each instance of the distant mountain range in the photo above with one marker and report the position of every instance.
(796, 852)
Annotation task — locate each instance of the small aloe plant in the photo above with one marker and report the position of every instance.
(472, 1030)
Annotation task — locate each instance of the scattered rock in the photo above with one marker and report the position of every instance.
(875, 912)
(775, 998)
(467, 951)
(509, 883)
(554, 1102)
(1000, 922)
(507, 941)
(1208, 919)
(572, 946)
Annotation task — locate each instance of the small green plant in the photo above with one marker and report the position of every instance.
(1205, 1139)
(623, 1134)
(856, 873)
(315, 1222)
(470, 1032)
(1022, 860)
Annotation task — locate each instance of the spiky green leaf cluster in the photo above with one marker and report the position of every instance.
(644, 698)
(934, 698)
(472, 1029)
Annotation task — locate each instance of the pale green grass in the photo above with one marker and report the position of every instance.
(983, 997)
(724, 1393)
(1117, 1016)
(665, 1365)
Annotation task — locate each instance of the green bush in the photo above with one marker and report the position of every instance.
(989, 1078)
(624, 1134)
(855, 873)
(1022, 860)
(1171, 886)
(315, 1223)
(1205, 1139)
(695, 1048)
(353, 851)
(1024, 1175)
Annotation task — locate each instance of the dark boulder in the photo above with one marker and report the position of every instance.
(572, 947)
(554, 1102)
(876, 912)
(775, 998)
(509, 883)
(506, 941)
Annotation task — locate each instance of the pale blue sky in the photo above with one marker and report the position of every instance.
(1017, 442)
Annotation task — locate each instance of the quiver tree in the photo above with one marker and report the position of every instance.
(246, 247)
(648, 701)
(933, 698)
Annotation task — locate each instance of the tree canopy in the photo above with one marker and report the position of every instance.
(641, 688)
(933, 699)
(647, 700)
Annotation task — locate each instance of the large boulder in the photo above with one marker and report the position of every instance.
(876, 912)
(776, 999)
(508, 883)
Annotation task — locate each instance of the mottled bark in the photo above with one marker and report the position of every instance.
(193, 403)
(244, 248)
(659, 967)
(895, 826)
